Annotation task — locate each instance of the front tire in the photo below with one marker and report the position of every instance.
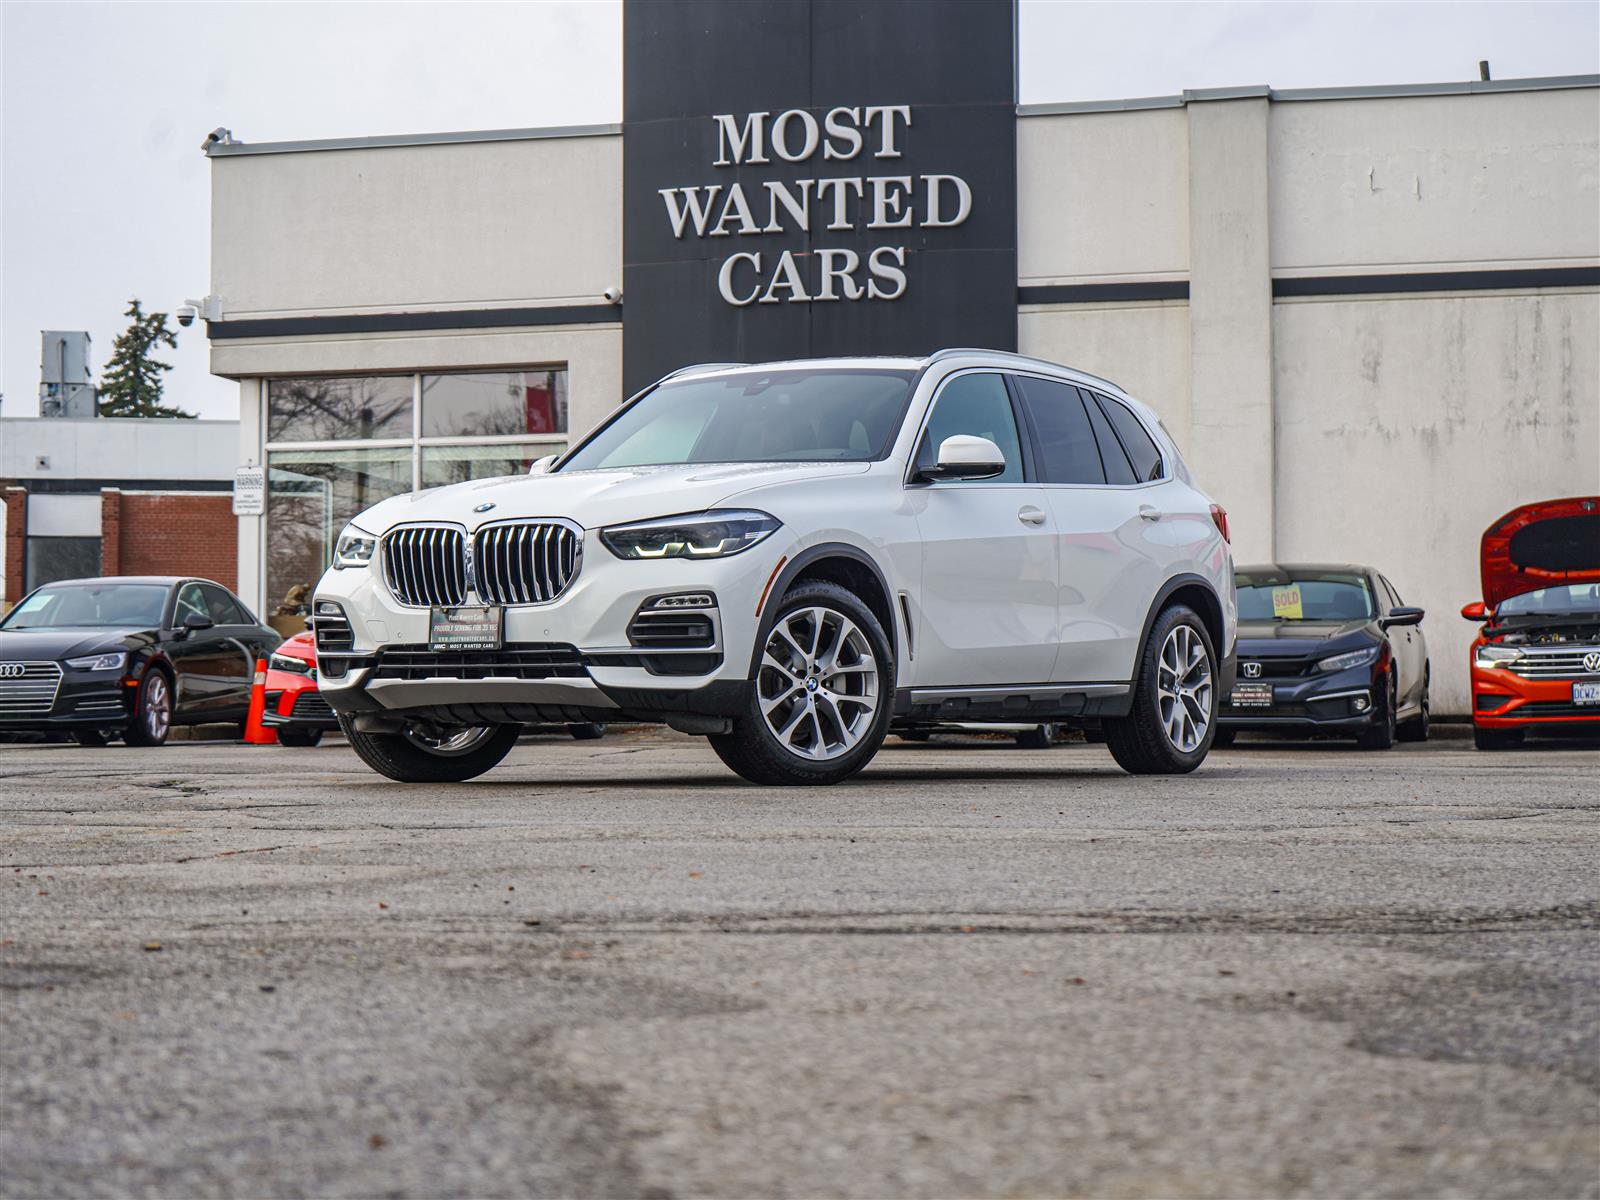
(1382, 734)
(1040, 737)
(822, 696)
(1169, 728)
(1416, 729)
(290, 736)
(91, 737)
(1495, 739)
(152, 710)
(414, 756)
(587, 731)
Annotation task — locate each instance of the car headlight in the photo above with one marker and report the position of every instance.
(284, 662)
(1491, 657)
(99, 662)
(1351, 658)
(714, 534)
(355, 548)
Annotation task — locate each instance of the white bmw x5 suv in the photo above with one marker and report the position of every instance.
(791, 559)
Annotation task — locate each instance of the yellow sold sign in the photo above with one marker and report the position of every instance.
(1286, 603)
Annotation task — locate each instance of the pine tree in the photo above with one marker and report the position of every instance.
(130, 386)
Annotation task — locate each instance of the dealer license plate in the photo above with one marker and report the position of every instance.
(1252, 695)
(1586, 693)
(466, 628)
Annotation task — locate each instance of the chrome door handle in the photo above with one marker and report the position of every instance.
(1150, 514)
(1030, 515)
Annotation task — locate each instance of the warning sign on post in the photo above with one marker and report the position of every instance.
(249, 491)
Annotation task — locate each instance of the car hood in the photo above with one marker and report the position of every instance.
(36, 644)
(1541, 545)
(596, 498)
(1283, 637)
(301, 645)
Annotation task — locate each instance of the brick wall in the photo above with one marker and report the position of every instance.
(16, 500)
(169, 534)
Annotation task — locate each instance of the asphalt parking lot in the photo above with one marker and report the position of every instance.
(612, 969)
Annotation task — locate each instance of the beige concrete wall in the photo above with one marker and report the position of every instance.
(1498, 178)
(1406, 425)
(1102, 196)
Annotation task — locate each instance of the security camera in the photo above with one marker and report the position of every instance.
(613, 295)
(186, 314)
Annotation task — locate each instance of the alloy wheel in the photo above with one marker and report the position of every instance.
(157, 707)
(458, 741)
(818, 684)
(1183, 689)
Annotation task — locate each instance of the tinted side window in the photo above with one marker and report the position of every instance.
(191, 600)
(1118, 468)
(222, 608)
(1066, 450)
(977, 405)
(1142, 452)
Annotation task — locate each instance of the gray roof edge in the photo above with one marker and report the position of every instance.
(1544, 83)
(235, 149)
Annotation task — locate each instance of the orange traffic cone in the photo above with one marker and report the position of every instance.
(256, 734)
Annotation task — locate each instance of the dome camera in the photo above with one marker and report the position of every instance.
(613, 295)
(186, 314)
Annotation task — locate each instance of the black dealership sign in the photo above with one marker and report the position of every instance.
(817, 177)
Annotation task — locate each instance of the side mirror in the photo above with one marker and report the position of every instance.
(542, 466)
(194, 623)
(1476, 611)
(966, 457)
(1403, 616)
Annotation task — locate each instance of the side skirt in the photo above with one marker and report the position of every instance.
(1010, 703)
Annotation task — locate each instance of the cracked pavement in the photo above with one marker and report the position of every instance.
(612, 969)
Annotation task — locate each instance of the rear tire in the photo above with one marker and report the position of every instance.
(152, 710)
(290, 736)
(587, 731)
(91, 737)
(1040, 737)
(1495, 739)
(1416, 729)
(408, 758)
(823, 693)
(1169, 728)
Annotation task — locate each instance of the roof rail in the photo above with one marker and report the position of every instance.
(700, 369)
(960, 351)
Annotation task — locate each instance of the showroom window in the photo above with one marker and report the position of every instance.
(337, 445)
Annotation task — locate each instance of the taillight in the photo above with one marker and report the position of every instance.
(1219, 518)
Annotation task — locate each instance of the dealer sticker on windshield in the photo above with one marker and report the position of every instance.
(1286, 603)
(1586, 693)
(466, 628)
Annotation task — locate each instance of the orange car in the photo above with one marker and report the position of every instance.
(1537, 662)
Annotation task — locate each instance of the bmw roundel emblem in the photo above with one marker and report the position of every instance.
(485, 506)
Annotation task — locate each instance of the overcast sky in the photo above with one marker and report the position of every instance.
(106, 194)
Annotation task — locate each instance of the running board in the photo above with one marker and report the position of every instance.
(1006, 704)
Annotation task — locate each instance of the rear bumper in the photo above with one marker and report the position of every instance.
(1505, 700)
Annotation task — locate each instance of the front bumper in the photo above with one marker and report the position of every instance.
(1339, 702)
(1505, 700)
(82, 700)
(294, 700)
(595, 671)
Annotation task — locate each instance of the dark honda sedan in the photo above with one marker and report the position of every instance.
(130, 655)
(1327, 649)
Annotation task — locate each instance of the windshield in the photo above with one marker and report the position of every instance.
(1292, 596)
(802, 415)
(91, 606)
(1570, 600)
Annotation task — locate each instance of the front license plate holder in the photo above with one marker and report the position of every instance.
(467, 627)
(1586, 693)
(1252, 695)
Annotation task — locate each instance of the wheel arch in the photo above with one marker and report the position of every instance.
(1195, 591)
(835, 562)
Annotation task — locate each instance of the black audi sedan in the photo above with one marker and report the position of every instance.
(1330, 650)
(128, 655)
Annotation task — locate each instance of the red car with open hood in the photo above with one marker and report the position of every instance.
(1536, 664)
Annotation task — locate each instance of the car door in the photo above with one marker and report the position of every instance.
(235, 664)
(987, 608)
(202, 659)
(1112, 558)
(1410, 649)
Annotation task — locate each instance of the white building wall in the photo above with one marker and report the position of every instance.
(117, 448)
